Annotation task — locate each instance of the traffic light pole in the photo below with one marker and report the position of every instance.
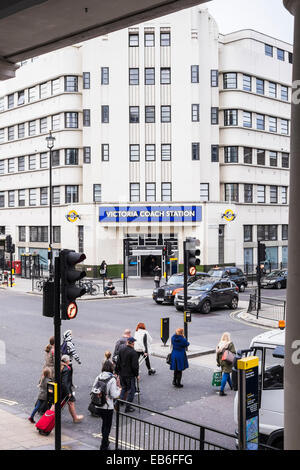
(124, 262)
(185, 279)
(57, 336)
(258, 277)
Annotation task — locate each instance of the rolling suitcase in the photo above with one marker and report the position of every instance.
(47, 421)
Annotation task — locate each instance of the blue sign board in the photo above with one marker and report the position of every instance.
(150, 214)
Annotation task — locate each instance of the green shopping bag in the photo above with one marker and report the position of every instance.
(216, 378)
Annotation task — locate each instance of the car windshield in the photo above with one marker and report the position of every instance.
(215, 272)
(176, 279)
(202, 285)
(273, 274)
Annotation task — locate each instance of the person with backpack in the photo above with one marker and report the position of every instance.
(225, 345)
(104, 392)
(127, 368)
(143, 345)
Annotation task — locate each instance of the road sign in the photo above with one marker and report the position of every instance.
(192, 271)
(72, 310)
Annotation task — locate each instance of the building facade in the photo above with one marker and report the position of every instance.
(162, 131)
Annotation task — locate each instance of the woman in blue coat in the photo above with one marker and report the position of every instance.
(179, 360)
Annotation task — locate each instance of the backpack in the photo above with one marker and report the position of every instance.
(99, 392)
(64, 348)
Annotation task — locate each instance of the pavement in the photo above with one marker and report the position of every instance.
(17, 433)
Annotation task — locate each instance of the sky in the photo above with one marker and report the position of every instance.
(266, 16)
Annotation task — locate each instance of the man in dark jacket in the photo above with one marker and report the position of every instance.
(128, 369)
(121, 343)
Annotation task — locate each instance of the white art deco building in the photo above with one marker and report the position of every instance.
(164, 130)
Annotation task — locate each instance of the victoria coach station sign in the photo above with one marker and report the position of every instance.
(150, 214)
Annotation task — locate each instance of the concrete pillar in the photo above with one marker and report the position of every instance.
(292, 340)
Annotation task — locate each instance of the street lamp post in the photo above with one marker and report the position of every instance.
(50, 144)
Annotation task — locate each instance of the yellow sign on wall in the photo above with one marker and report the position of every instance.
(229, 215)
(72, 216)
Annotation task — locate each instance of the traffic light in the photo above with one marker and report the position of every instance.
(69, 276)
(48, 298)
(164, 251)
(128, 246)
(170, 251)
(192, 254)
(261, 252)
(8, 244)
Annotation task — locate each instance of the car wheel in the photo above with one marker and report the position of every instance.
(234, 303)
(206, 307)
(159, 302)
(242, 288)
(278, 285)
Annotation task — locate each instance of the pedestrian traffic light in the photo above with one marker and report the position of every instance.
(192, 255)
(261, 252)
(8, 244)
(69, 276)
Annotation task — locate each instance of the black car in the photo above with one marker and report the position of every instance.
(208, 293)
(166, 293)
(276, 279)
(234, 274)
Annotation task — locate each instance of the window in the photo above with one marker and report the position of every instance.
(284, 232)
(55, 86)
(284, 93)
(165, 75)
(32, 94)
(214, 78)
(43, 90)
(71, 156)
(2, 167)
(260, 121)
(2, 104)
(230, 117)
(273, 158)
(21, 97)
(86, 117)
(55, 121)
(166, 192)
(214, 153)
(86, 154)
(10, 101)
(149, 76)
(2, 135)
(21, 130)
(248, 193)
(11, 198)
(134, 192)
(56, 234)
(55, 195)
(43, 125)
(81, 238)
(44, 160)
(290, 54)
(134, 114)
(248, 233)
(32, 128)
(204, 191)
(165, 38)
(284, 127)
(149, 113)
(133, 39)
(21, 164)
(105, 114)
(38, 234)
(32, 162)
(2, 199)
(285, 160)
(11, 133)
(71, 83)
(86, 79)
(248, 155)
(166, 152)
(261, 157)
(247, 119)
(134, 152)
(165, 113)
(55, 158)
(134, 76)
(232, 192)
(71, 194)
(280, 54)
(269, 50)
(43, 196)
(195, 73)
(32, 197)
(284, 191)
(149, 39)
(97, 192)
(231, 155)
(214, 115)
(105, 152)
(260, 86)
(150, 152)
(195, 112)
(71, 120)
(272, 90)
(267, 232)
(22, 233)
(104, 75)
(150, 192)
(11, 165)
(272, 124)
(247, 83)
(273, 194)
(229, 80)
(195, 151)
(261, 194)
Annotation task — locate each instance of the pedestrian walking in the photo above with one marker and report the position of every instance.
(179, 360)
(127, 368)
(41, 403)
(157, 275)
(108, 358)
(103, 270)
(121, 343)
(49, 356)
(143, 345)
(225, 351)
(68, 348)
(66, 388)
(105, 383)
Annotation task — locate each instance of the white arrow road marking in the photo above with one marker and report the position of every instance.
(8, 402)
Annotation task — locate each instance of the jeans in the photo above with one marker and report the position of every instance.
(225, 378)
(38, 405)
(107, 417)
(128, 385)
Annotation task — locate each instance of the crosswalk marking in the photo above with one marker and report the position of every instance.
(122, 443)
(8, 402)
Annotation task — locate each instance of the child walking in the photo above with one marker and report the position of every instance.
(41, 402)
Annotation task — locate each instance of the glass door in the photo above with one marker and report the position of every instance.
(133, 266)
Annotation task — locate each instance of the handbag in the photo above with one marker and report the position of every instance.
(228, 356)
(168, 358)
(216, 378)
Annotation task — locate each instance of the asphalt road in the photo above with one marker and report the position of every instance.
(98, 325)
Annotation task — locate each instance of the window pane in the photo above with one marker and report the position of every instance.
(105, 114)
(133, 39)
(134, 152)
(260, 86)
(248, 193)
(86, 154)
(230, 117)
(71, 120)
(231, 154)
(134, 192)
(149, 76)
(214, 153)
(134, 114)
(150, 192)
(261, 159)
(284, 93)
(280, 54)
(104, 75)
(273, 194)
(269, 50)
(204, 191)
(133, 76)
(195, 151)
(195, 73)
(149, 39)
(195, 112)
(273, 158)
(284, 126)
(71, 83)
(166, 192)
(232, 192)
(272, 90)
(260, 121)
(86, 80)
(272, 124)
(150, 152)
(97, 192)
(165, 75)
(247, 86)
(230, 80)
(105, 152)
(71, 156)
(214, 78)
(247, 155)
(247, 233)
(285, 160)
(261, 194)
(166, 152)
(247, 119)
(165, 113)
(214, 115)
(149, 113)
(86, 117)
(165, 39)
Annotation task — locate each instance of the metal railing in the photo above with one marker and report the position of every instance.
(270, 308)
